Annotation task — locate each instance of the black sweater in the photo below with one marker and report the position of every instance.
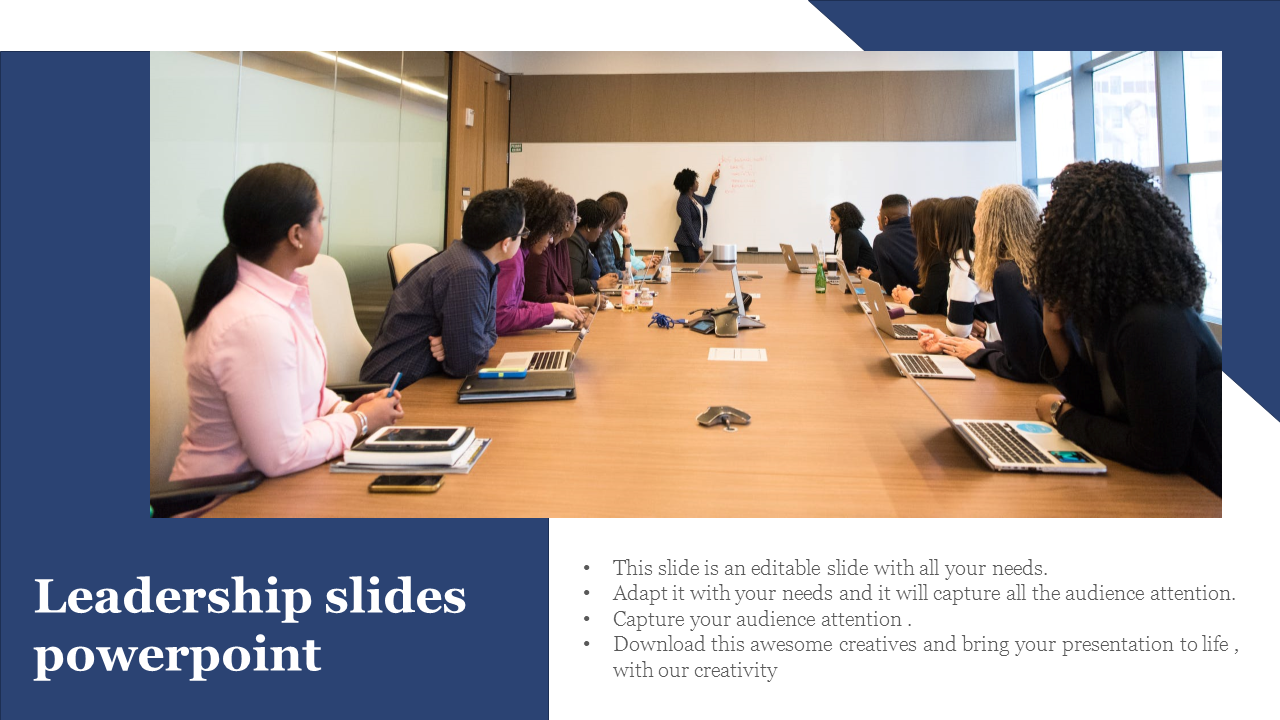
(932, 299)
(1016, 355)
(1167, 371)
(895, 251)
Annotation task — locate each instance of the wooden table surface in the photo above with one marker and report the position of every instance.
(835, 431)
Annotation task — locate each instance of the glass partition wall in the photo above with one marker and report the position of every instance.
(370, 127)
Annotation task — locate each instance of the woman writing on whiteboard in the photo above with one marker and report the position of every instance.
(693, 214)
(255, 362)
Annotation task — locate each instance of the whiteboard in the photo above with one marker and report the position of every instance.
(769, 193)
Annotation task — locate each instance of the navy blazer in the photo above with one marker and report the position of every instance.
(693, 224)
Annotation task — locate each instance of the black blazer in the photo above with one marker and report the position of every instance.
(856, 252)
(1167, 371)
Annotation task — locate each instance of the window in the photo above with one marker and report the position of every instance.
(1206, 231)
(1046, 64)
(1202, 72)
(1124, 110)
(1055, 133)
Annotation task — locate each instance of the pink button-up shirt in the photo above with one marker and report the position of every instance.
(255, 378)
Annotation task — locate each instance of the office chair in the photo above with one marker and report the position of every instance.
(186, 498)
(335, 318)
(404, 257)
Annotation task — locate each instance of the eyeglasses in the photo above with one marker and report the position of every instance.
(523, 234)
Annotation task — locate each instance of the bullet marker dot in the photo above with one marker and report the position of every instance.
(586, 592)
(586, 567)
(586, 617)
(587, 643)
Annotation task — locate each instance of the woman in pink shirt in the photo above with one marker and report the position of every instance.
(255, 362)
(544, 217)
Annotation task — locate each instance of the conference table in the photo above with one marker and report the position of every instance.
(835, 431)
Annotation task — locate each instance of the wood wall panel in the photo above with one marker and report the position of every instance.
(571, 108)
(960, 105)
(819, 107)
(923, 106)
(470, 86)
(712, 107)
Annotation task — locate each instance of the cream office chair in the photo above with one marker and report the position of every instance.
(404, 257)
(168, 383)
(186, 498)
(335, 318)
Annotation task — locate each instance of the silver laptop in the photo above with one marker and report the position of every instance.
(693, 269)
(789, 256)
(550, 360)
(918, 365)
(1021, 445)
(655, 277)
(879, 309)
(847, 280)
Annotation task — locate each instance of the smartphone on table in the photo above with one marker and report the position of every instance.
(406, 484)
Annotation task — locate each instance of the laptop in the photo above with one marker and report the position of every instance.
(550, 360)
(789, 255)
(1021, 445)
(693, 269)
(655, 277)
(847, 280)
(874, 300)
(918, 365)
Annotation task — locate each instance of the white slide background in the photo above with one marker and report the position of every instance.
(768, 193)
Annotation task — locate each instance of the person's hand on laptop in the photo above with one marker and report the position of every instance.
(903, 295)
(702, 254)
(437, 348)
(608, 281)
(960, 347)
(863, 273)
(570, 312)
(930, 339)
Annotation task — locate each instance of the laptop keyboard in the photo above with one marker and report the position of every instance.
(1006, 444)
(920, 365)
(547, 360)
(905, 332)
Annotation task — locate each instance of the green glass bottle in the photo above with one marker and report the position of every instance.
(820, 279)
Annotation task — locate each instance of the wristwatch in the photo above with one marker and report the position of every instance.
(1054, 408)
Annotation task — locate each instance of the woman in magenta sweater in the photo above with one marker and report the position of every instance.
(544, 217)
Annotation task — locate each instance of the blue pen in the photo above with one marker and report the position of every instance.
(391, 391)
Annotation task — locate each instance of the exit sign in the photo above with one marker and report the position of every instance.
(515, 147)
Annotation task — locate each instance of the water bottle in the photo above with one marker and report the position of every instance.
(820, 277)
(628, 290)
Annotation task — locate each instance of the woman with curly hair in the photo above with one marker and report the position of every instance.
(1115, 261)
(693, 214)
(1005, 227)
(543, 218)
(851, 245)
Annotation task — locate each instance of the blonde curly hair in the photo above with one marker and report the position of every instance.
(1005, 228)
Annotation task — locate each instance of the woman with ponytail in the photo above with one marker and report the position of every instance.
(255, 362)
